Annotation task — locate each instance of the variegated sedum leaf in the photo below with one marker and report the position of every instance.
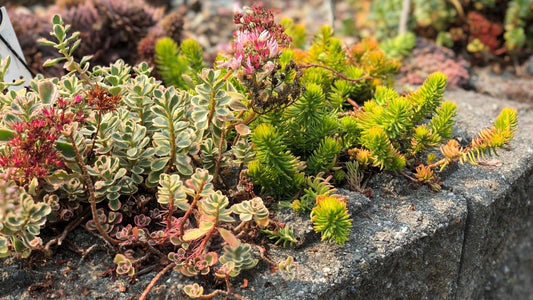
(171, 187)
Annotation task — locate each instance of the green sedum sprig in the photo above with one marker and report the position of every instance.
(331, 219)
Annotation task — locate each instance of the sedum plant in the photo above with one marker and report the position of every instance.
(117, 132)
(21, 222)
(169, 174)
(388, 131)
(178, 64)
(330, 217)
(485, 29)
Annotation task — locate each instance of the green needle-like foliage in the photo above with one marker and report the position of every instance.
(315, 186)
(275, 168)
(283, 235)
(308, 121)
(383, 152)
(428, 97)
(178, 64)
(442, 121)
(330, 218)
(324, 158)
(498, 136)
(389, 125)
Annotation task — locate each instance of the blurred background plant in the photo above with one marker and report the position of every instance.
(482, 31)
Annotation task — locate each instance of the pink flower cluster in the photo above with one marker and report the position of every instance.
(257, 42)
(260, 19)
(31, 151)
(253, 51)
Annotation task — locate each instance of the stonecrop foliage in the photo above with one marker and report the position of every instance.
(170, 169)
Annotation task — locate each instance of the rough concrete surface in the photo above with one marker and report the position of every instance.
(473, 240)
(497, 259)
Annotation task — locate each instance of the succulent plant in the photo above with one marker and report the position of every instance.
(517, 17)
(115, 141)
(194, 290)
(399, 46)
(172, 24)
(252, 209)
(174, 63)
(484, 31)
(475, 26)
(22, 220)
(283, 235)
(331, 219)
(29, 28)
(427, 58)
(240, 255)
(124, 265)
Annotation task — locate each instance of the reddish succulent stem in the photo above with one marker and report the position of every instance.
(251, 117)
(172, 147)
(212, 294)
(230, 71)
(97, 129)
(206, 239)
(170, 211)
(438, 163)
(264, 257)
(155, 279)
(219, 158)
(76, 66)
(409, 177)
(92, 197)
(191, 207)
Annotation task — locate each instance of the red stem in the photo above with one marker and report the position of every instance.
(155, 279)
(170, 211)
(191, 207)
(201, 248)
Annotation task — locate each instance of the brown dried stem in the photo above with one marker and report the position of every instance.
(90, 186)
(59, 239)
(155, 279)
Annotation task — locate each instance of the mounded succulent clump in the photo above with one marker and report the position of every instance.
(185, 172)
(427, 58)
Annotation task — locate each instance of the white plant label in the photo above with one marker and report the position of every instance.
(17, 68)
